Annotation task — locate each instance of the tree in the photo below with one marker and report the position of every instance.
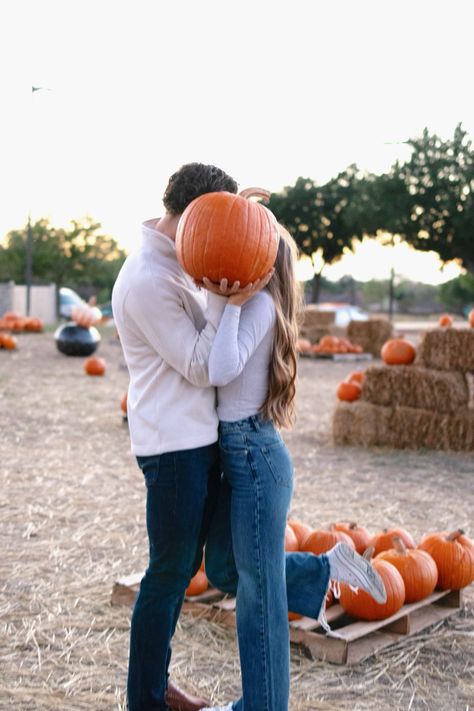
(436, 190)
(458, 294)
(323, 220)
(77, 256)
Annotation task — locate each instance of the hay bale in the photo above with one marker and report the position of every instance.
(416, 387)
(313, 317)
(361, 423)
(447, 349)
(371, 334)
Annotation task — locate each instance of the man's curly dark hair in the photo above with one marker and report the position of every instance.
(192, 180)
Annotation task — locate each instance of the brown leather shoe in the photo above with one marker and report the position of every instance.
(178, 700)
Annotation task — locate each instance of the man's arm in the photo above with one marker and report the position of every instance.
(159, 314)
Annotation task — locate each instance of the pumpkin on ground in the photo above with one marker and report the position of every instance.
(322, 540)
(384, 540)
(360, 535)
(302, 531)
(8, 342)
(363, 606)
(94, 365)
(223, 235)
(198, 584)
(417, 568)
(291, 540)
(397, 351)
(470, 318)
(348, 391)
(453, 554)
(445, 321)
(123, 402)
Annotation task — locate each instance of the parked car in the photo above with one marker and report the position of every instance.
(344, 313)
(68, 298)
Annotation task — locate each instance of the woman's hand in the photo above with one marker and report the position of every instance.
(237, 296)
(221, 289)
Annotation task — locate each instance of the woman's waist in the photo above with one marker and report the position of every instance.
(251, 423)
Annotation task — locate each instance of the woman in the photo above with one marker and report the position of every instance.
(253, 363)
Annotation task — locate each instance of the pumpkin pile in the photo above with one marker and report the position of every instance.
(410, 572)
(329, 345)
(7, 341)
(11, 321)
(351, 388)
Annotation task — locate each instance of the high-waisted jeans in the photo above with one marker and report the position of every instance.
(245, 556)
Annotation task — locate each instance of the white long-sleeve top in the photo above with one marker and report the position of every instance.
(166, 333)
(239, 361)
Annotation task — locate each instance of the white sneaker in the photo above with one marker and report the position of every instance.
(347, 566)
(218, 708)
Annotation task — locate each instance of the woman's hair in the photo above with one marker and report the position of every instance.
(193, 180)
(279, 405)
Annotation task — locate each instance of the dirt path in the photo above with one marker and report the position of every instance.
(71, 508)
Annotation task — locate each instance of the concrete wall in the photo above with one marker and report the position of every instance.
(42, 301)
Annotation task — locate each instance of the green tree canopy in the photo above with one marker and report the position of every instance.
(324, 220)
(79, 255)
(429, 200)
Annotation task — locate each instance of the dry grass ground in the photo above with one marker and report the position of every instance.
(72, 522)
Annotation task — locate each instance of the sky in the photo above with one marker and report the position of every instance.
(268, 91)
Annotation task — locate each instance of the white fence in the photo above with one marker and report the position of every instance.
(42, 300)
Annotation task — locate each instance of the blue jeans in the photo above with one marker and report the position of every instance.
(245, 556)
(182, 490)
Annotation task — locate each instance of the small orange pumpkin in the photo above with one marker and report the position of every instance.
(8, 342)
(123, 402)
(383, 540)
(302, 531)
(363, 606)
(223, 235)
(357, 376)
(470, 318)
(397, 351)
(348, 391)
(417, 568)
(291, 540)
(445, 321)
(198, 584)
(322, 540)
(453, 553)
(94, 365)
(359, 534)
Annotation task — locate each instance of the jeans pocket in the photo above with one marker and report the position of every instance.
(150, 467)
(279, 462)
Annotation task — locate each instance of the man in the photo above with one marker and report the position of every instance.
(166, 335)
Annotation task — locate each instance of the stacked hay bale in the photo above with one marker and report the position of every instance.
(371, 334)
(317, 324)
(429, 404)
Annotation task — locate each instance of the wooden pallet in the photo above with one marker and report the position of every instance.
(338, 356)
(351, 640)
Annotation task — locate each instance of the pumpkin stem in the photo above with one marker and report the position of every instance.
(368, 553)
(255, 192)
(455, 534)
(352, 525)
(399, 545)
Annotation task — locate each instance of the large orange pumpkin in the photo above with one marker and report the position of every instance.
(322, 540)
(198, 584)
(417, 568)
(396, 351)
(453, 553)
(222, 235)
(362, 605)
(94, 365)
(359, 534)
(384, 540)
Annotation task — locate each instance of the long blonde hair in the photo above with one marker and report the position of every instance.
(279, 405)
